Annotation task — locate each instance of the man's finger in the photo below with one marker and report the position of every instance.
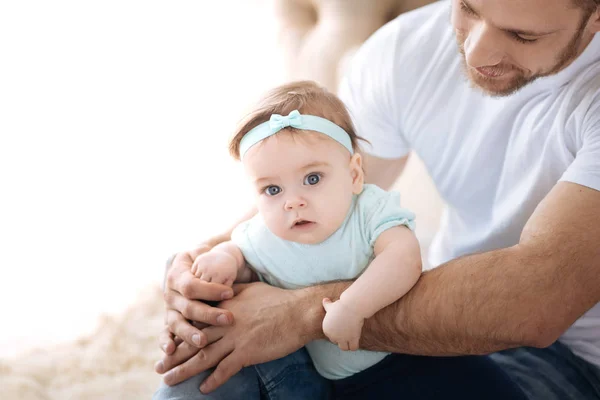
(183, 353)
(198, 311)
(225, 370)
(213, 333)
(183, 329)
(166, 342)
(205, 358)
(199, 325)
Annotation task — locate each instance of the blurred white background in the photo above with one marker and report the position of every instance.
(114, 120)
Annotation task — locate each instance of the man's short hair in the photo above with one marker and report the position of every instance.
(587, 5)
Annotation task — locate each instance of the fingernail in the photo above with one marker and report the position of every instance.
(222, 319)
(226, 295)
(196, 339)
(203, 387)
(158, 367)
(164, 347)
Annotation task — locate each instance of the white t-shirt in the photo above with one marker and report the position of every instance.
(492, 159)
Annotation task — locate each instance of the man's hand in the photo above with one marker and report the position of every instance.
(270, 323)
(342, 325)
(182, 289)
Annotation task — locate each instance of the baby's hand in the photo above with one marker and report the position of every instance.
(215, 266)
(342, 325)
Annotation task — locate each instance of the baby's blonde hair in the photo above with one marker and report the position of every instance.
(305, 96)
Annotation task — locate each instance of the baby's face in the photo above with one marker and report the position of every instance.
(303, 183)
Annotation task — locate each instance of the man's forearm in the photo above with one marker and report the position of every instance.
(476, 304)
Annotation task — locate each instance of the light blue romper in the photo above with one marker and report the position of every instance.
(342, 256)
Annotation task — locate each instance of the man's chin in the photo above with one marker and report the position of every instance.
(498, 87)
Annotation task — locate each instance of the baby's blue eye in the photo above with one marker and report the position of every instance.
(312, 179)
(272, 190)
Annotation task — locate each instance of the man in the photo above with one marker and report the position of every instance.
(509, 129)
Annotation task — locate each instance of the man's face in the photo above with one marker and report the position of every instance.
(510, 43)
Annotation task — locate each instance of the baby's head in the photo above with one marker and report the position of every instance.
(304, 180)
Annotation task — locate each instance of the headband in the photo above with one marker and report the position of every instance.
(298, 121)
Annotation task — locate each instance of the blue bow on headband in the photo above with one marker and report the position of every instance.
(295, 120)
(278, 122)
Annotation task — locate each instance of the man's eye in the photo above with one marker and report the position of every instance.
(521, 39)
(272, 190)
(312, 179)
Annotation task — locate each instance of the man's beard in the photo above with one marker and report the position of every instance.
(498, 88)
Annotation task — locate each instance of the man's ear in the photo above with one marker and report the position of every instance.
(357, 173)
(595, 21)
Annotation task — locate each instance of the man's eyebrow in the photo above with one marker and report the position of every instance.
(523, 32)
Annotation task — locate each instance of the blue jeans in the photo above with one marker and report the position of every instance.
(553, 373)
(397, 376)
(291, 377)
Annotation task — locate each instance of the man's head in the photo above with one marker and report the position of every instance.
(510, 43)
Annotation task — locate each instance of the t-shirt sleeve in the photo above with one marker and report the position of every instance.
(242, 237)
(585, 169)
(382, 211)
(368, 90)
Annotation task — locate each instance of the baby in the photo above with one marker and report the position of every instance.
(317, 222)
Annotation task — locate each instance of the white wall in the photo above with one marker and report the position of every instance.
(114, 118)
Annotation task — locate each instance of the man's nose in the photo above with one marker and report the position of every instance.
(294, 203)
(483, 46)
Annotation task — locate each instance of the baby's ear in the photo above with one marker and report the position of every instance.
(356, 171)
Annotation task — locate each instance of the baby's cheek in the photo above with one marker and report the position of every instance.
(274, 222)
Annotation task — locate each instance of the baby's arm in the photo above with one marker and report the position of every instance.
(394, 271)
(224, 264)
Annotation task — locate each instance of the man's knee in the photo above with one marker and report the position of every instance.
(186, 390)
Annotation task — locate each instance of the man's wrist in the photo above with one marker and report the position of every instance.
(312, 314)
(311, 304)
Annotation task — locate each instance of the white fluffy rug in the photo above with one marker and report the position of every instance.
(116, 362)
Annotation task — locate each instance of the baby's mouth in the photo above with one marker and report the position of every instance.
(302, 223)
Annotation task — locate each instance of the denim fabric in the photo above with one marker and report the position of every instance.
(403, 377)
(290, 378)
(553, 373)
(397, 376)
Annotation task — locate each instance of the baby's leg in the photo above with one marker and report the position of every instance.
(243, 385)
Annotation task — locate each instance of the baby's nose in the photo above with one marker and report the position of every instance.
(295, 203)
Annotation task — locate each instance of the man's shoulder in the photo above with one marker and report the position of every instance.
(580, 102)
(408, 49)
